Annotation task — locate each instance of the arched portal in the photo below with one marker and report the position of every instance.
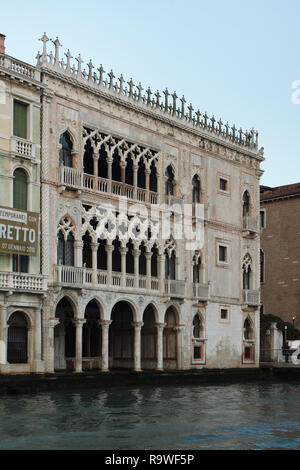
(149, 339)
(170, 340)
(17, 339)
(91, 337)
(121, 336)
(64, 336)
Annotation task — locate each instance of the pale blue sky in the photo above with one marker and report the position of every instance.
(236, 60)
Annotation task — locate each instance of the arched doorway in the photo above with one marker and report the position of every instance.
(149, 339)
(64, 336)
(17, 339)
(91, 337)
(121, 336)
(170, 340)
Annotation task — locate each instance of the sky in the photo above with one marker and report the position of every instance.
(236, 60)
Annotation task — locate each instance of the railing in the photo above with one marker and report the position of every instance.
(20, 68)
(173, 201)
(73, 178)
(22, 147)
(251, 224)
(78, 277)
(22, 281)
(276, 356)
(251, 297)
(201, 291)
(175, 288)
(200, 211)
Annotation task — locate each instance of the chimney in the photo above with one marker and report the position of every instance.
(2, 43)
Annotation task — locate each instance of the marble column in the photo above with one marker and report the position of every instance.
(95, 168)
(38, 336)
(105, 344)
(137, 345)
(109, 249)
(123, 252)
(94, 248)
(162, 273)
(135, 173)
(136, 254)
(78, 351)
(148, 269)
(49, 347)
(179, 329)
(109, 173)
(160, 331)
(147, 183)
(78, 246)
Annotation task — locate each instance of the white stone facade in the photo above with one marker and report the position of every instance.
(157, 302)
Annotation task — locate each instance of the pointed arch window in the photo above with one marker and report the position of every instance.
(17, 339)
(247, 273)
(196, 194)
(197, 266)
(170, 181)
(65, 153)
(65, 249)
(246, 204)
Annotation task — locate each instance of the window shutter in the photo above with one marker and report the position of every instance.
(20, 119)
(20, 190)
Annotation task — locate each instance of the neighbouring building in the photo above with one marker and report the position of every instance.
(280, 252)
(119, 166)
(22, 286)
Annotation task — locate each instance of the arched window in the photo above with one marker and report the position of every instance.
(153, 178)
(169, 336)
(197, 327)
(65, 249)
(246, 272)
(154, 261)
(170, 263)
(20, 189)
(248, 330)
(197, 269)
(17, 339)
(20, 194)
(170, 181)
(246, 204)
(65, 153)
(196, 189)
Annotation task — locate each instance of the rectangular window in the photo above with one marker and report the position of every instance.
(198, 353)
(20, 263)
(224, 314)
(262, 219)
(248, 353)
(223, 184)
(222, 254)
(20, 119)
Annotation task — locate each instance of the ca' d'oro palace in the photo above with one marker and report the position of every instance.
(76, 144)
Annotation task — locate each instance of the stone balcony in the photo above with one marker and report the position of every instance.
(22, 147)
(71, 178)
(174, 288)
(251, 298)
(19, 69)
(23, 282)
(201, 292)
(251, 225)
(80, 278)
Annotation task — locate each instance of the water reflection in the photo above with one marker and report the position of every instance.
(241, 416)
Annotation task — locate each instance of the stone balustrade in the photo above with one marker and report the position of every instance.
(22, 281)
(251, 224)
(22, 147)
(19, 68)
(76, 179)
(251, 297)
(71, 276)
(201, 292)
(175, 288)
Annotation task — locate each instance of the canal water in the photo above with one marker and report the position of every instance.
(255, 416)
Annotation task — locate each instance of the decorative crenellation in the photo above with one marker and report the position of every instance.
(167, 104)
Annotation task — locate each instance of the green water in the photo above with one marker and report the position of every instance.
(239, 416)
